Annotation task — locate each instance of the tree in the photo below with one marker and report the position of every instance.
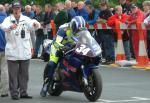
(112, 3)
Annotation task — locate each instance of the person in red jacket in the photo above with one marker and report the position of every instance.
(117, 16)
(122, 18)
(136, 15)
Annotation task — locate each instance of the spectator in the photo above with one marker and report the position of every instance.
(55, 10)
(39, 32)
(62, 16)
(126, 6)
(3, 62)
(106, 35)
(10, 10)
(104, 1)
(136, 15)
(74, 6)
(87, 2)
(92, 15)
(122, 18)
(33, 8)
(81, 11)
(92, 18)
(146, 6)
(33, 36)
(49, 15)
(126, 9)
(18, 50)
(7, 9)
(71, 12)
(28, 12)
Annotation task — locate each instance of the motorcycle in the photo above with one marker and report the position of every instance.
(78, 70)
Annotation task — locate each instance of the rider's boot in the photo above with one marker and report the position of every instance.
(45, 87)
(50, 68)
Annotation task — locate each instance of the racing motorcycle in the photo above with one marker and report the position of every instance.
(78, 70)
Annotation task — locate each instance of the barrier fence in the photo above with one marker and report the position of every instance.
(142, 59)
(122, 26)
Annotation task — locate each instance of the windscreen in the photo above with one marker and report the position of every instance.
(86, 38)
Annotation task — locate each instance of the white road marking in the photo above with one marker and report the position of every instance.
(134, 99)
(37, 60)
(140, 98)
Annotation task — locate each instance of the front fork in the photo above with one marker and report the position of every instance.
(86, 72)
(85, 79)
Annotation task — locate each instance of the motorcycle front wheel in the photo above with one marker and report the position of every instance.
(94, 89)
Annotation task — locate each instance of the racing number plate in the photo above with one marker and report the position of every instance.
(82, 49)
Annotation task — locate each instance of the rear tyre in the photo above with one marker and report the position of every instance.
(94, 89)
(55, 91)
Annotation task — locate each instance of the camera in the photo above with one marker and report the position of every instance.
(13, 21)
(22, 33)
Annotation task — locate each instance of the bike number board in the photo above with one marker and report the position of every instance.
(82, 49)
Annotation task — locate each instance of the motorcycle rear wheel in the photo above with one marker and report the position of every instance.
(55, 92)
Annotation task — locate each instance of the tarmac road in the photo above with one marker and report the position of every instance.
(123, 85)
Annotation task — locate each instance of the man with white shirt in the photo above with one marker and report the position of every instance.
(18, 50)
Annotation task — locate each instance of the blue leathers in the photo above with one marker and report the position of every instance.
(63, 37)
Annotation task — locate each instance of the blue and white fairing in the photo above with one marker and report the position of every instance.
(87, 45)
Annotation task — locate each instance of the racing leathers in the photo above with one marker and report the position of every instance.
(63, 37)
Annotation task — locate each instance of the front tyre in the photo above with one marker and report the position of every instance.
(94, 89)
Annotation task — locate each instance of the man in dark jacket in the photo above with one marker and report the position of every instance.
(62, 16)
(92, 15)
(39, 32)
(92, 18)
(3, 63)
(49, 15)
(126, 6)
(74, 6)
(107, 35)
(71, 12)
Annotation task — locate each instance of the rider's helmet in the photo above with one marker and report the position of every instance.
(77, 24)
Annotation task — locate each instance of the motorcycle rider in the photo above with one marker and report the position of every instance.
(64, 36)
